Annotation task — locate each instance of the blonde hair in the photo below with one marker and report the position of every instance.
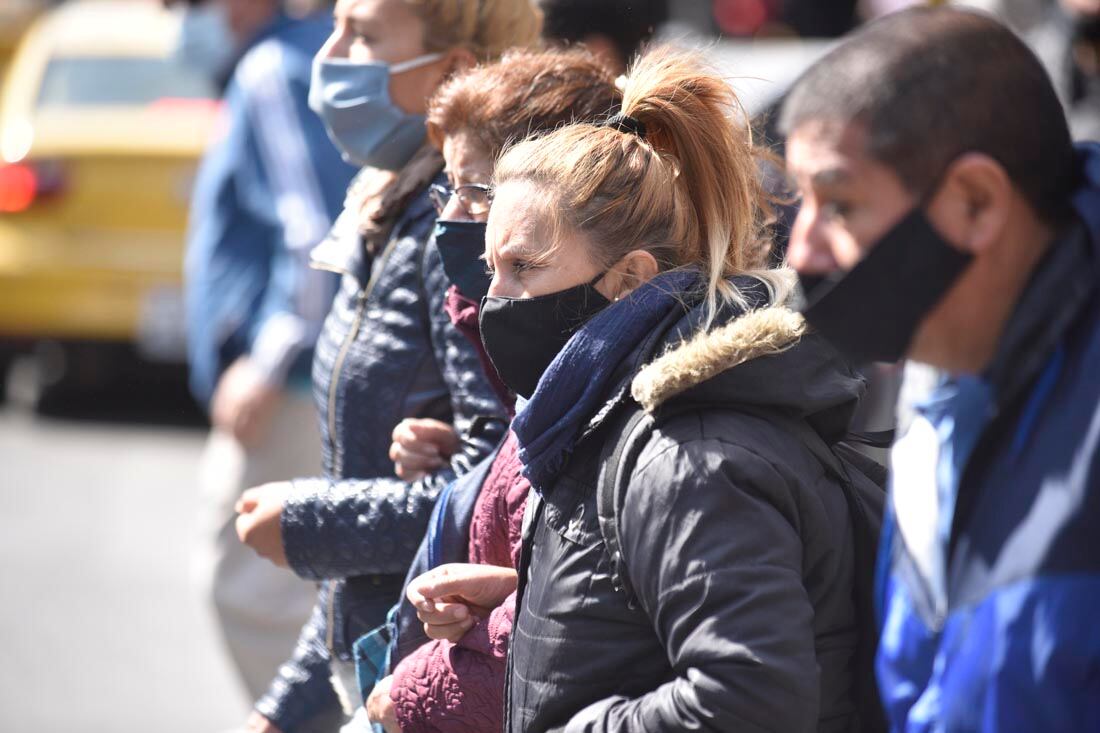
(689, 191)
(487, 28)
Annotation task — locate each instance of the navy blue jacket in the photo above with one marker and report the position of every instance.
(266, 194)
(387, 351)
(990, 609)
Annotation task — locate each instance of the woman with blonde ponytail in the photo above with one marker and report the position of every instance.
(687, 562)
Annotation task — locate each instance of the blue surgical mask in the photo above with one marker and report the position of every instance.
(206, 43)
(353, 100)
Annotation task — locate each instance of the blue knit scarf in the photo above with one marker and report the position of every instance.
(575, 384)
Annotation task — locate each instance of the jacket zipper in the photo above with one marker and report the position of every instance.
(334, 381)
(353, 332)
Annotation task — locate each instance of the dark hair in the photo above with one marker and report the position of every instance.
(931, 84)
(524, 93)
(627, 23)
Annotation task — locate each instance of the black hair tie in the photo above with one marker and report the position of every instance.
(627, 124)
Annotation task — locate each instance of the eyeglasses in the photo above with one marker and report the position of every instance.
(475, 198)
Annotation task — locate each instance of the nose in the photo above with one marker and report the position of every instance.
(454, 210)
(808, 251)
(335, 47)
(495, 286)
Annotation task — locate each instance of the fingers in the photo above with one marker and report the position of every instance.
(412, 452)
(413, 456)
(484, 585)
(411, 466)
(248, 501)
(244, 526)
(247, 428)
(439, 434)
(428, 436)
(442, 614)
(222, 414)
(449, 632)
(449, 621)
(405, 434)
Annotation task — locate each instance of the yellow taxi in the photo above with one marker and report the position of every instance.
(100, 137)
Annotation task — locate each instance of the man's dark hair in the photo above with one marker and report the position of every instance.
(931, 84)
(627, 23)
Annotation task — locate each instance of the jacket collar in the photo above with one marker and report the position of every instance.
(1060, 288)
(1058, 291)
(376, 204)
(677, 357)
(759, 333)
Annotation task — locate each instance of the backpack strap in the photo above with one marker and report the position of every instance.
(629, 435)
(829, 459)
(617, 459)
(883, 439)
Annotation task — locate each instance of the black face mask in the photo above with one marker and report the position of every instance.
(461, 244)
(523, 335)
(872, 312)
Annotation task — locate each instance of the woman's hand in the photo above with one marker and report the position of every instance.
(380, 707)
(452, 598)
(259, 724)
(420, 446)
(259, 520)
(244, 404)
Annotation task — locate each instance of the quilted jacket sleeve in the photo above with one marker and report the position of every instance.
(347, 528)
(720, 577)
(301, 691)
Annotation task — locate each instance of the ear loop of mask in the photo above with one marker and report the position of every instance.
(411, 64)
(398, 68)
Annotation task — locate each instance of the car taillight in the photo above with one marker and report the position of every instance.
(22, 184)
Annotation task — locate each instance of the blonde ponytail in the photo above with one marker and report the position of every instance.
(677, 175)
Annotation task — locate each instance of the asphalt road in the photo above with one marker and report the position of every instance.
(99, 629)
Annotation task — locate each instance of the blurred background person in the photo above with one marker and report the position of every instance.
(821, 18)
(1068, 42)
(614, 30)
(266, 193)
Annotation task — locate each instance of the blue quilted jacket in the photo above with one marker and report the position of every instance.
(990, 590)
(388, 351)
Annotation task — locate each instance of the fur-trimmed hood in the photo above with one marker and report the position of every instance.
(759, 333)
(765, 357)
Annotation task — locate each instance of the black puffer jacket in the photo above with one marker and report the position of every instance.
(737, 543)
(388, 351)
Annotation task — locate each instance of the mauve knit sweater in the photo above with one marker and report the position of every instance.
(459, 688)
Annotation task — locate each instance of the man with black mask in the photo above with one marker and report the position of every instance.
(948, 218)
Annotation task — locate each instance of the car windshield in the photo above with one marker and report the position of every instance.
(77, 81)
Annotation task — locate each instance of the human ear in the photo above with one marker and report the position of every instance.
(973, 205)
(459, 59)
(632, 271)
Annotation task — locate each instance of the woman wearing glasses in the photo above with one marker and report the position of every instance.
(454, 681)
(387, 351)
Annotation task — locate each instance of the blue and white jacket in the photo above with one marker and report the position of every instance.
(990, 583)
(267, 192)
